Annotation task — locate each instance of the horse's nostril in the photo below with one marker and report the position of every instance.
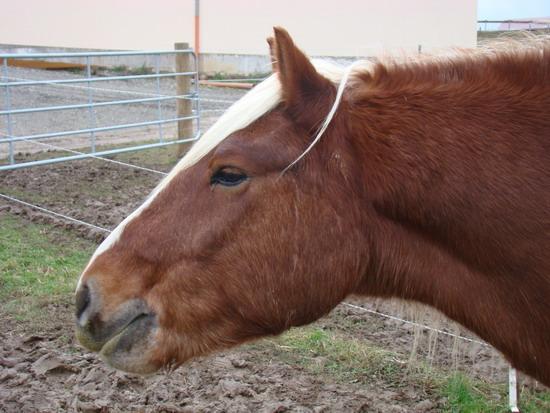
(82, 300)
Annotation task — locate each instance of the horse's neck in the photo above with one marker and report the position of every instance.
(457, 216)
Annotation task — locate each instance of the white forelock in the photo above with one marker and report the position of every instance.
(260, 100)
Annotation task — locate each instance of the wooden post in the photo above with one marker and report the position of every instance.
(183, 106)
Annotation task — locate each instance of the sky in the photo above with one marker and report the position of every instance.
(512, 9)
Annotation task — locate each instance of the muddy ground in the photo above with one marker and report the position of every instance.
(43, 372)
(43, 369)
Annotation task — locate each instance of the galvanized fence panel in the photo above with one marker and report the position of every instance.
(28, 83)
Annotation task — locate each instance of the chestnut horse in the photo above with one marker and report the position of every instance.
(428, 180)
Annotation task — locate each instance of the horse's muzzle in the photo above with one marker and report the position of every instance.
(124, 338)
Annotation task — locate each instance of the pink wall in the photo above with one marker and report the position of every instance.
(321, 27)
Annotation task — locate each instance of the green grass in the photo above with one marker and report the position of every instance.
(345, 359)
(119, 68)
(126, 70)
(536, 401)
(246, 78)
(163, 158)
(358, 361)
(38, 264)
(465, 396)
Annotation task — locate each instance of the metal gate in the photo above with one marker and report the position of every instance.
(95, 106)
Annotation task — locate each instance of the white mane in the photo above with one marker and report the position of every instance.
(260, 100)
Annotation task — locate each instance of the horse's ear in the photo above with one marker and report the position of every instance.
(302, 85)
(272, 54)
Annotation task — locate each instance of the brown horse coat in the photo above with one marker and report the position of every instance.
(431, 183)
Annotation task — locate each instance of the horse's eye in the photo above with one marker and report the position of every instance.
(228, 177)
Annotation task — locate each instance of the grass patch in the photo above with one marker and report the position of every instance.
(346, 359)
(39, 264)
(120, 68)
(465, 396)
(251, 78)
(162, 158)
(358, 361)
(535, 401)
(126, 70)
(349, 360)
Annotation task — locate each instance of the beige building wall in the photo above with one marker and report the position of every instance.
(339, 27)
(97, 24)
(321, 27)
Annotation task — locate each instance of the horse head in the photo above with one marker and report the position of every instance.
(233, 245)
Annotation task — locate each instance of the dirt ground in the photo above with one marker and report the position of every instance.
(43, 369)
(46, 371)
(43, 375)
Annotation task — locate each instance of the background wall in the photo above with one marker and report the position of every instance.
(339, 28)
(321, 27)
(98, 24)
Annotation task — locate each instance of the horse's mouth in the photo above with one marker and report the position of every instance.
(128, 347)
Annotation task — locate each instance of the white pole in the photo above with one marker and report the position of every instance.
(513, 390)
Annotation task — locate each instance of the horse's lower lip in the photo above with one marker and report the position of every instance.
(127, 349)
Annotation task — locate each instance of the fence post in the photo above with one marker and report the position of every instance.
(183, 106)
(5, 78)
(513, 390)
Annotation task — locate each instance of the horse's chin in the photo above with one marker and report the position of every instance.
(131, 349)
